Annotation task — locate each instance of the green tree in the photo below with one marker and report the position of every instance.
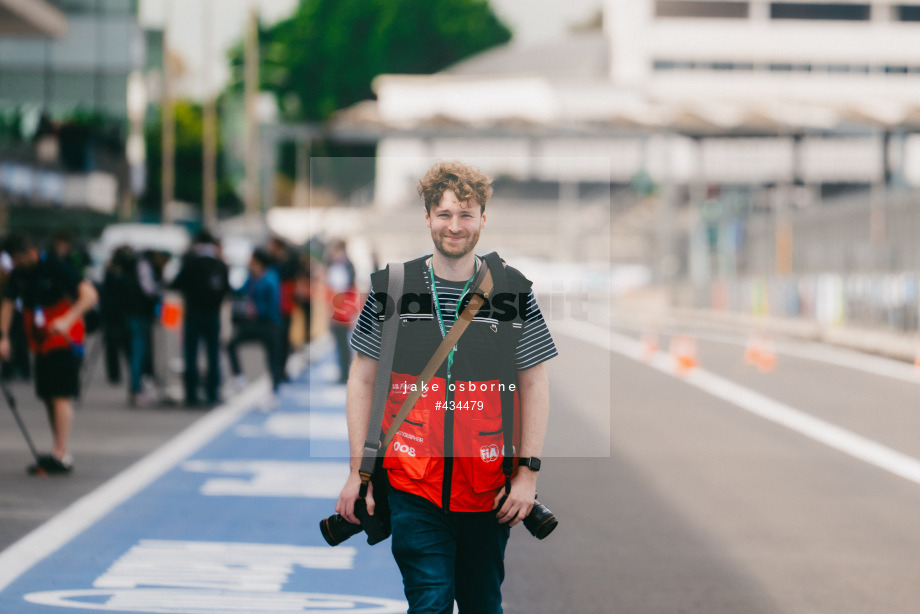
(189, 163)
(324, 57)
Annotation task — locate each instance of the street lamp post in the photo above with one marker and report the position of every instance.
(251, 87)
(168, 185)
(209, 128)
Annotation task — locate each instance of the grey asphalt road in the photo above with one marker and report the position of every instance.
(108, 437)
(702, 507)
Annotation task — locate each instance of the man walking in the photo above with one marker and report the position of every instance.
(344, 303)
(54, 298)
(139, 301)
(285, 264)
(262, 295)
(450, 517)
(203, 281)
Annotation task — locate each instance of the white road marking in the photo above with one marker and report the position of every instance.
(185, 601)
(218, 565)
(265, 478)
(329, 394)
(226, 566)
(308, 426)
(49, 537)
(819, 430)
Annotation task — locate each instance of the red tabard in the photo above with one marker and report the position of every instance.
(40, 341)
(415, 457)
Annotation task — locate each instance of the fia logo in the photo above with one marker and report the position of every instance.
(489, 453)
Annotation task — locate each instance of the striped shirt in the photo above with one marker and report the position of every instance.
(534, 346)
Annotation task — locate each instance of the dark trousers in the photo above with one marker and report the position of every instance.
(117, 342)
(139, 329)
(307, 315)
(285, 342)
(340, 332)
(263, 332)
(442, 557)
(201, 327)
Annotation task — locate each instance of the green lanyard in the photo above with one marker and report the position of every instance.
(437, 304)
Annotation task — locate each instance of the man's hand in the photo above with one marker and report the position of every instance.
(346, 503)
(62, 325)
(5, 348)
(520, 501)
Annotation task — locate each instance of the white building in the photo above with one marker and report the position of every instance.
(835, 54)
(690, 91)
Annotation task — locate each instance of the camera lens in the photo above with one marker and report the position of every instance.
(336, 529)
(540, 521)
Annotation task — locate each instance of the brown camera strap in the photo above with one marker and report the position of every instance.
(480, 293)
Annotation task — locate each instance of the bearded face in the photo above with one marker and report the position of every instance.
(455, 225)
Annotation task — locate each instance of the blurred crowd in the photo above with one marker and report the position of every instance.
(133, 302)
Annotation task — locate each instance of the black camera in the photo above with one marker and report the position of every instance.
(540, 521)
(336, 529)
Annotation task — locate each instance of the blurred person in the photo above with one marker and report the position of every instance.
(340, 283)
(158, 260)
(203, 281)
(54, 298)
(20, 363)
(451, 507)
(302, 290)
(115, 286)
(63, 247)
(261, 323)
(141, 297)
(286, 264)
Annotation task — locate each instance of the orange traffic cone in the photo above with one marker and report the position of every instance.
(766, 359)
(760, 352)
(683, 351)
(649, 346)
(752, 349)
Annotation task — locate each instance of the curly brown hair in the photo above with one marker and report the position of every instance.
(466, 182)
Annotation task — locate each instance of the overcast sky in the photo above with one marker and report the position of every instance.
(531, 21)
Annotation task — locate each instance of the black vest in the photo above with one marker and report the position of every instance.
(449, 457)
(485, 352)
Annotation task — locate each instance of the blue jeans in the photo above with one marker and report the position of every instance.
(139, 328)
(201, 326)
(442, 557)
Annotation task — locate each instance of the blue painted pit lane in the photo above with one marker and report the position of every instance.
(231, 525)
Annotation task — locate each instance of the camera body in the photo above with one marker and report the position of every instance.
(540, 521)
(336, 529)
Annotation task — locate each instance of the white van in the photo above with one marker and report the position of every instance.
(141, 237)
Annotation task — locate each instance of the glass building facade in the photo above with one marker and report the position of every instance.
(86, 69)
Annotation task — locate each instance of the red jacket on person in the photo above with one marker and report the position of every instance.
(452, 457)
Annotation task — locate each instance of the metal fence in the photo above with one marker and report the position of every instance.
(854, 262)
